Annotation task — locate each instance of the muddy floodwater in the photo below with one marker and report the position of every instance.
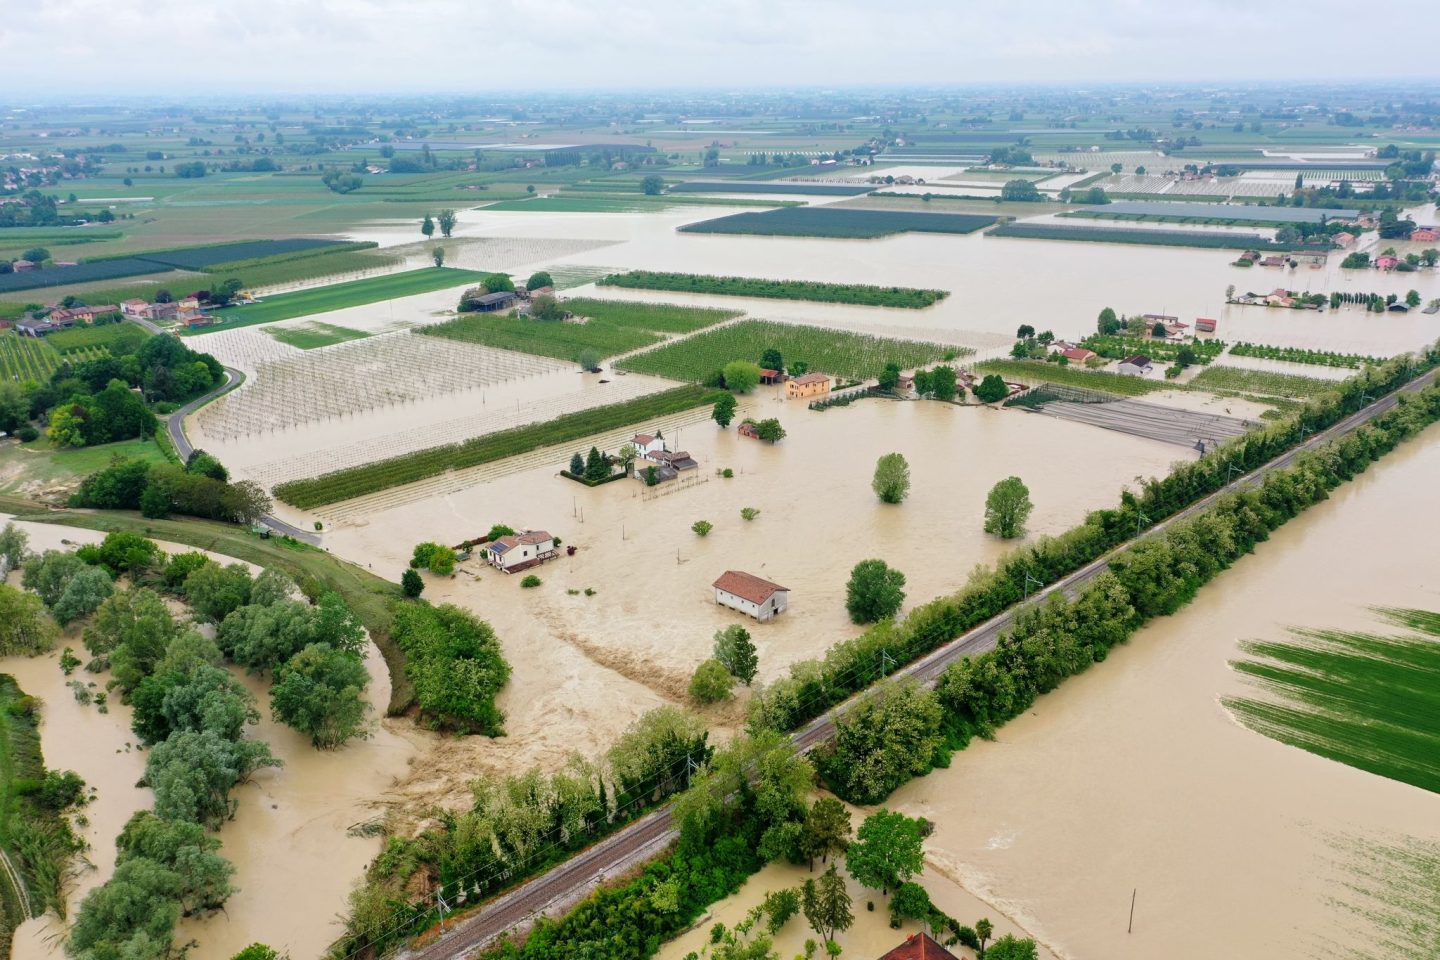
(294, 861)
(1132, 778)
(585, 666)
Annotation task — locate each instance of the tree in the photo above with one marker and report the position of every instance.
(724, 410)
(546, 308)
(214, 591)
(741, 376)
(13, 541)
(257, 951)
(442, 561)
(651, 757)
(132, 915)
(83, 595)
(984, 930)
(711, 682)
(827, 830)
(446, 220)
(538, 279)
(735, 649)
(246, 502)
(886, 739)
(1020, 190)
(1412, 299)
(1187, 357)
(498, 283)
(411, 584)
(25, 627)
(207, 465)
(577, 464)
(589, 359)
(438, 255)
(772, 359)
(889, 377)
(597, 468)
(1158, 331)
(887, 850)
(780, 906)
(193, 773)
(653, 185)
(891, 481)
(991, 389)
(875, 591)
(14, 407)
(1025, 332)
(826, 904)
(1007, 508)
(427, 227)
(943, 383)
(1116, 168)
(321, 692)
(770, 430)
(910, 902)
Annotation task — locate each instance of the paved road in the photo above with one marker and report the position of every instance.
(568, 881)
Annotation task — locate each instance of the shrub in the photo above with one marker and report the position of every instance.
(530, 580)
(991, 389)
(749, 513)
(875, 591)
(742, 376)
(702, 528)
(891, 482)
(711, 682)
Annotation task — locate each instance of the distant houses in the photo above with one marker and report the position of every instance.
(662, 464)
(1386, 262)
(751, 595)
(1425, 234)
(185, 311)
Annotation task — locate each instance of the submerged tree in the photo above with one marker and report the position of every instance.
(891, 482)
(1007, 508)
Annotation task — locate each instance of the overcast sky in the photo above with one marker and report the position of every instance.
(367, 46)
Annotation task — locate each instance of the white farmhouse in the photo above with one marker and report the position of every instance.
(646, 444)
(519, 551)
(751, 595)
(1137, 366)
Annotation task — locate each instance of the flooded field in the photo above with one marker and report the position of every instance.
(1133, 777)
(585, 666)
(294, 861)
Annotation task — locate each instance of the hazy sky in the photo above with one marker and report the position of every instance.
(198, 46)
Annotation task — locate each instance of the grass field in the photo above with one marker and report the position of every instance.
(1390, 889)
(1031, 372)
(116, 338)
(312, 335)
(337, 296)
(839, 223)
(39, 466)
(851, 355)
(1263, 382)
(422, 464)
(1367, 701)
(854, 293)
(609, 327)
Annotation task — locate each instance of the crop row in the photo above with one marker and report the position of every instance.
(422, 464)
(1031, 372)
(1160, 238)
(1264, 382)
(1117, 348)
(856, 293)
(839, 223)
(819, 189)
(1319, 358)
(854, 356)
(25, 358)
(118, 338)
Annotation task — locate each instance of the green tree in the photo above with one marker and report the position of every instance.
(891, 481)
(943, 383)
(735, 649)
(427, 226)
(446, 219)
(498, 283)
(702, 528)
(991, 389)
(772, 359)
(25, 627)
(132, 915)
(1020, 190)
(438, 255)
(826, 904)
(577, 464)
(321, 692)
(420, 556)
(724, 410)
(83, 595)
(827, 831)
(711, 682)
(214, 591)
(13, 542)
(889, 377)
(888, 738)
(1158, 331)
(887, 850)
(596, 466)
(875, 591)
(1007, 507)
(653, 185)
(411, 584)
(589, 359)
(1010, 947)
(650, 758)
(257, 951)
(192, 774)
(780, 905)
(1412, 299)
(539, 279)
(187, 850)
(770, 430)
(910, 902)
(442, 561)
(984, 930)
(741, 376)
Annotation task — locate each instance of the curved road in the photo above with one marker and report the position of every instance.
(567, 882)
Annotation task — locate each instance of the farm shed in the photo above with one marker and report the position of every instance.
(1204, 325)
(751, 595)
(490, 302)
(1136, 366)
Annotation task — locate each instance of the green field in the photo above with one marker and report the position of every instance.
(309, 336)
(1389, 890)
(1031, 372)
(1319, 358)
(37, 467)
(1262, 382)
(423, 464)
(850, 355)
(337, 296)
(854, 293)
(1367, 701)
(26, 358)
(843, 223)
(609, 327)
(117, 338)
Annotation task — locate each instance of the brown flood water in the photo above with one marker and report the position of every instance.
(294, 862)
(1133, 777)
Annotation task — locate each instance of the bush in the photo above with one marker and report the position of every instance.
(530, 580)
(749, 513)
(991, 389)
(702, 528)
(27, 434)
(711, 682)
(741, 376)
(411, 584)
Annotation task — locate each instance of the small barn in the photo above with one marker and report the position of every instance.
(751, 595)
(1136, 366)
(490, 302)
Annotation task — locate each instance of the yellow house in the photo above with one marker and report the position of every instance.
(809, 385)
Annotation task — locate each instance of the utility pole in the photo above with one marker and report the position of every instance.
(443, 906)
(1139, 518)
(887, 662)
(1230, 470)
(1131, 927)
(1029, 580)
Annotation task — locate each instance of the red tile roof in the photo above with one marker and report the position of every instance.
(810, 378)
(747, 586)
(919, 946)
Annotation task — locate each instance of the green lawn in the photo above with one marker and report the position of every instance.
(39, 466)
(316, 334)
(337, 296)
(117, 338)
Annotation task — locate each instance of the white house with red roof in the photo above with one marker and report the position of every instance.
(751, 595)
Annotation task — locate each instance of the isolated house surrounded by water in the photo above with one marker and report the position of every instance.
(751, 595)
(519, 551)
(919, 946)
(810, 385)
(646, 443)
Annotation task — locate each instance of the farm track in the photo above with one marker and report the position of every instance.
(569, 881)
(17, 883)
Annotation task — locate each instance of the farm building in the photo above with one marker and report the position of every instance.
(1136, 366)
(647, 443)
(36, 327)
(1204, 325)
(905, 382)
(751, 595)
(1077, 354)
(1273, 261)
(1344, 240)
(809, 385)
(1387, 263)
(490, 302)
(748, 429)
(20, 266)
(664, 473)
(679, 460)
(768, 376)
(519, 551)
(919, 946)
(81, 314)
(1425, 234)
